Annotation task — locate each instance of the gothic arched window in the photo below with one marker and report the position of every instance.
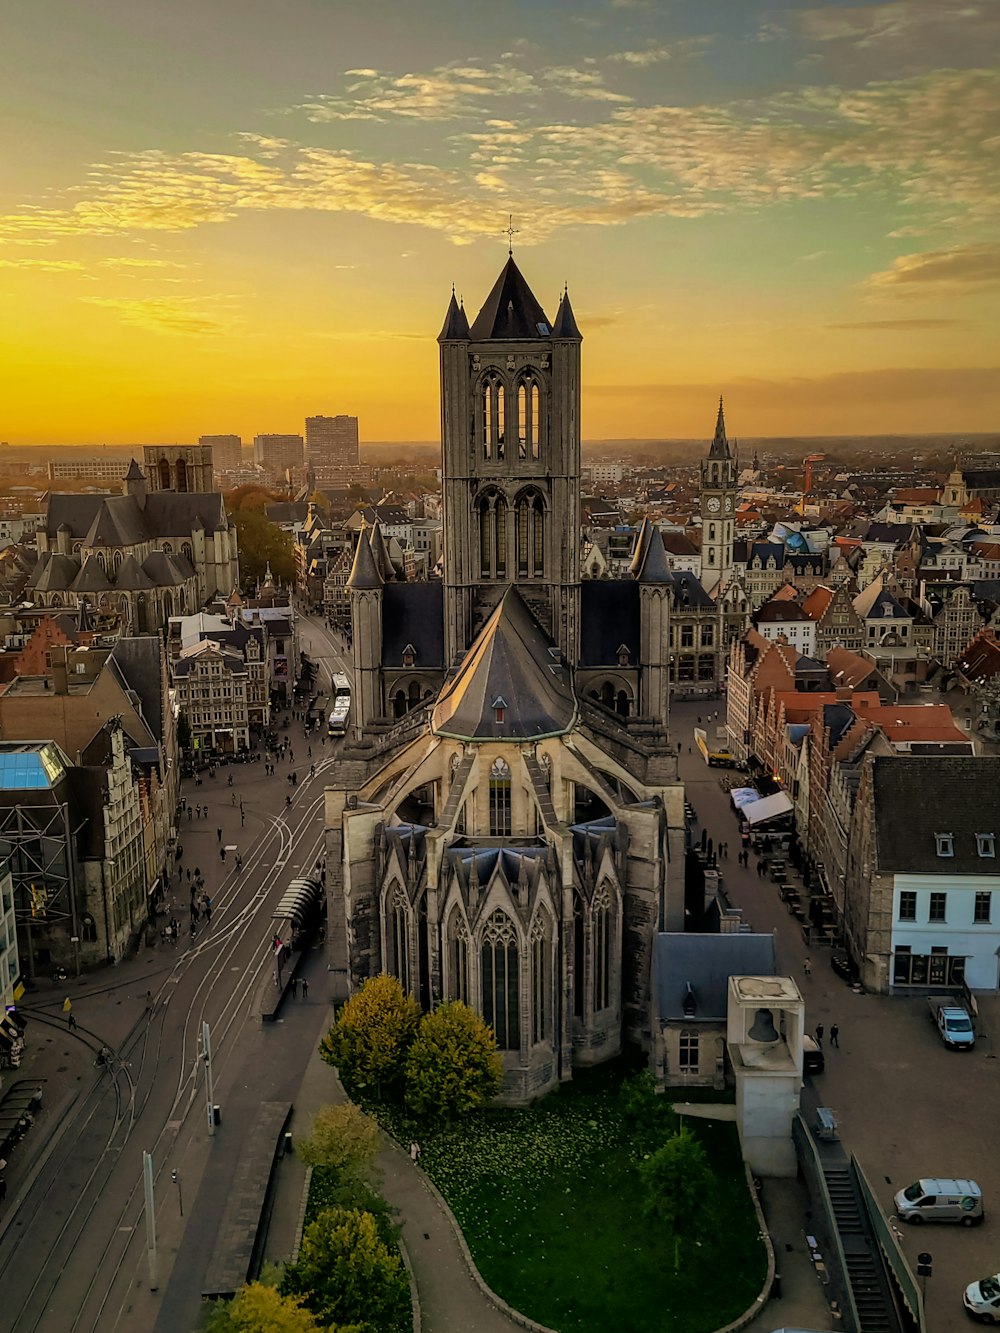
(182, 477)
(501, 980)
(164, 475)
(187, 552)
(500, 799)
(494, 412)
(531, 536)
(579, 955)
(492, 536)
(458, 958)
(541, 977)
(601, 938)
(397, 953)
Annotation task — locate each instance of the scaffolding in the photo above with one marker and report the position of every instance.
(37, 842)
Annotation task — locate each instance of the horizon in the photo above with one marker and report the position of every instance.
(203, 234)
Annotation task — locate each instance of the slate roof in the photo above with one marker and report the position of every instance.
(720, 445)
(511, 311)
(688, 592)
(380, 554)
(981, 659)
(167, 570)
(765, 551)
(514, 660)
(609, 617)
(916, 798)
(364, 571)
(54, 573)
(91, 577)
(706, 962)
(413, 613)
(131, 575)
(566, 325)
(119, 520)
(649, 561)
(456, 322)
(135, 472)
(139, 661)
(838, 718)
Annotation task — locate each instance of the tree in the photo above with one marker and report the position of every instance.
(373, 1032)
(343, 1139)
(453, 1065)
(345, 1273)
(183, 731)
(260, 1309)
(262, 543)
(679, 1185)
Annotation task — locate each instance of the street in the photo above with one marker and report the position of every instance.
(907, 1107)
(74, 1254)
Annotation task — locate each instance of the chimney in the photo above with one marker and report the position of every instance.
(60, 674)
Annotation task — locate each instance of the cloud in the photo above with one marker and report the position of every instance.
(129, 262)
(160, 315)
(44, 265)
(901, 325)
(926, 145)
(903, 385)
(899, 22)
(660, 54)
(445, 93)
(962, 270)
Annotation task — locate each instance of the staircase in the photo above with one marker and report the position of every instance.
(865, 1269)
(456, 792)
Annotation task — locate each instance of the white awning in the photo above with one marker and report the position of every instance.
(770, 807)
(743, 796)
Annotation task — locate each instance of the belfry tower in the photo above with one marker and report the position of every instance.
(510, 432)
(718, 509)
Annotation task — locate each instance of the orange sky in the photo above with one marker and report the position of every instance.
(226, 221)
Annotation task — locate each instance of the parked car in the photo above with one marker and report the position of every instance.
(812, 1056)
(941, 1200)
(952, 1022)
(982, 1299)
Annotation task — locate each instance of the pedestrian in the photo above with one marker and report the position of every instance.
(68, 1011)
(309, 753)
(819, 1033)
(807, 966)
(206, 811)
(305, 988)
(415, 1152)
(234, 798)
(222, 854)
(197, 811)
(242, 819)
(190, 812)
(218, 835)
(295, 987)
(189, 874)
(835, 1035)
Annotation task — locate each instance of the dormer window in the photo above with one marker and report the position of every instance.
(409, 655)
(986, 844)
(945, 844)
(623, 655)
(499, 708)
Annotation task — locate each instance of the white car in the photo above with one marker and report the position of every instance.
(982, 1299)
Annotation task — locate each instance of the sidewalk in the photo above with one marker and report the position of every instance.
(450, 1301)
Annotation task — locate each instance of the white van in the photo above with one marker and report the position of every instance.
(936, 1200)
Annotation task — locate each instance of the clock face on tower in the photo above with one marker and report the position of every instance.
(712, 504)
(729, 503)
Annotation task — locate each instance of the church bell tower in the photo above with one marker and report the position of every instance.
(718, 509)
(510, 433)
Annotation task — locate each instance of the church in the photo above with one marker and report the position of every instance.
(162, 548)
(505, 823)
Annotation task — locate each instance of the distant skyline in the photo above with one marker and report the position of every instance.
(226, 217)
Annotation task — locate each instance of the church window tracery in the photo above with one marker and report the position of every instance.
(601, 936)
(492, 536)
(500, 823)
(397, 960)
(494, 411)
(531, 536)
(458, 958)
(541, 979)
(501, 980)
(528, 417)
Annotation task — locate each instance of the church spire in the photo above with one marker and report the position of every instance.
(456, 324)
(566, 325)
(720, 445)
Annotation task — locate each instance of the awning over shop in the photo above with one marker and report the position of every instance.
(771, 807)
(741, 796)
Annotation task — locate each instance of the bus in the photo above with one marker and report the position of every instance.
(337, 724)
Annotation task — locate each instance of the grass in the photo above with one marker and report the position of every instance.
(550, 1201)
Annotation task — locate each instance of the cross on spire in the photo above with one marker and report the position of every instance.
(511, 232)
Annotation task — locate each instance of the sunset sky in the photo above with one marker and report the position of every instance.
(225, 215)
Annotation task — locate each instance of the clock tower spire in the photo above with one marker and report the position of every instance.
(718, 508)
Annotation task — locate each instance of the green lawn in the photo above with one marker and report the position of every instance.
(550, 1202)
